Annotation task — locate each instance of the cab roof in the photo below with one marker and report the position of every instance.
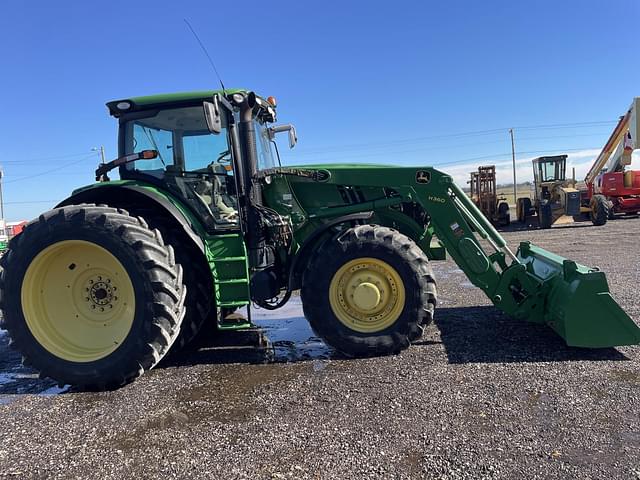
(165, 99)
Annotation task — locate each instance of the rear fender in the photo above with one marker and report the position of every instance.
(137, 197)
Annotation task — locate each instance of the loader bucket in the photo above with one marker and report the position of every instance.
(578, 305)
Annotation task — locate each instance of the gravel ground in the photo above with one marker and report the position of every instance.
(481, 396)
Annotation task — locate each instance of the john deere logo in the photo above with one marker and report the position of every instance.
(422, 176)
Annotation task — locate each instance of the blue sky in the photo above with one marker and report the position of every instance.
(389, 82)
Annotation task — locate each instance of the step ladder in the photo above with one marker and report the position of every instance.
(227, 258)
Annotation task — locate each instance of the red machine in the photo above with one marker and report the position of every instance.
(610, 188)
(14, 228)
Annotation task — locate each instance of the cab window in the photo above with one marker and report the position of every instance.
(193, 163)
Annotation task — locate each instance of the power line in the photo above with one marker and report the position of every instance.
(566, 125)
(44, 159)
(567, 136)
(424, 149)
(446, 147)
(508, 154)
(60, 167)
(495, 131)
(32, 201)
(377, 152)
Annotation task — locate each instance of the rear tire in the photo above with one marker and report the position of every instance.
(599, 210)
(397, 267)
(197, 279)
(93, 339)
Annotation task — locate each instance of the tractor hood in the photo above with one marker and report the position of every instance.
(361, 174)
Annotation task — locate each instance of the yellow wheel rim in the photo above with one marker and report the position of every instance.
(367, 295)
(78, 301)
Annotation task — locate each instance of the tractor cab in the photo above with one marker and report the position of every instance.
(548, 173)
(554, 195)
(198, 147)
(550, 169)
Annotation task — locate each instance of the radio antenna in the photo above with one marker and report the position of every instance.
(205, 52)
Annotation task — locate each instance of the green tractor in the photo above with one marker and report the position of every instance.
(204, 220)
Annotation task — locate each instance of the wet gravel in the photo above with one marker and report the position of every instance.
(481, 396)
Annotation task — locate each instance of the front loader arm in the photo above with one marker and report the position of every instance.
(531, 284)
(462, 228)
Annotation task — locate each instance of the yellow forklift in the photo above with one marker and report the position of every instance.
(484, 195)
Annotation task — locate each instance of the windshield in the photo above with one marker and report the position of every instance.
(266, 158)
(181, 138)
(552, 170)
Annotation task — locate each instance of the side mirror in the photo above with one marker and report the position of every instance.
(293, 137)
(212, 115)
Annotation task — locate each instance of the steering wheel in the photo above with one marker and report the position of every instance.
(221, 156)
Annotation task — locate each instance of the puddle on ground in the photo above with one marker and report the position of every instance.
(289, 333)
(16, 379)
(291, 339)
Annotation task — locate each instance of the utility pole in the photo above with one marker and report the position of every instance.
(101, 150)
(1, 200)
(513, 156)
(3, 223)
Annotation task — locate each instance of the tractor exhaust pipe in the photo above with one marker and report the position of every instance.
(261, 256)
(248, 148)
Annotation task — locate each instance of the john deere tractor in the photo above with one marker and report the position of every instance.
(204, 220)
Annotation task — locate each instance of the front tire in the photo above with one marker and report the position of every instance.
(91, 296)
(369, 292)
(545, 217)
(503, 214)
(599, 210)
(523, 209)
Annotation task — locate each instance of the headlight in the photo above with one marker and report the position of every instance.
(123, 105)
(238, 98)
